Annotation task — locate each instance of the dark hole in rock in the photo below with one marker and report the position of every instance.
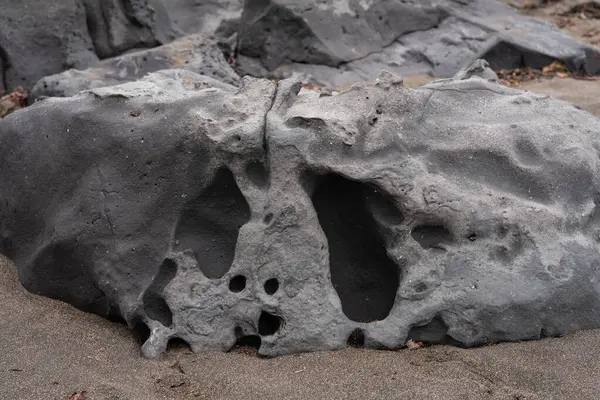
(114, 314)
(178, 344)
(257, 174)
(421, 287)
(545, 333)
(473, 237)
(431, 236)
(268, 324)
(268, 218)
(382, 210)
(361, 272)
(249, 341)
(356, 338)
(141, 332)
(434, 332)
(271, 286)
(155, 305)
(509, 56)
(238, 332)
(237, 283)
(209, 224)
(246, 344)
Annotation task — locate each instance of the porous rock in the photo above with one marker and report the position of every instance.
(338, 42)
(194, 53)
(461, 212)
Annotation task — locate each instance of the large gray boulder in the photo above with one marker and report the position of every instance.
(40, 38)
(194, 53)
(461, 212)
(339, 42)
(116, 26)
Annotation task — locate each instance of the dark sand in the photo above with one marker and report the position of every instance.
(49, 350)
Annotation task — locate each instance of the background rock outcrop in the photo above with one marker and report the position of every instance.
(333, 43)
(341, 42)
(462, 212)
(116, 26)
(43, 38)
(205, 16)
(194, 53)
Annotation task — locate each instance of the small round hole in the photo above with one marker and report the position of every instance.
(237, 283)
(356, 338)
(268, 324)
(271, 286)
(238, 332)
(178, 344)
(245, 344)
(268, 218)
(421, 287)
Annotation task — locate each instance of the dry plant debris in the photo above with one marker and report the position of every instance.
(12, 101)
(516, 77)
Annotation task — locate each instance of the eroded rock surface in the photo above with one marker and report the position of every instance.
(462, 212)
(194, 53)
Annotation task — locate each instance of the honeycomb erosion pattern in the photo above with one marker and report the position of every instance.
(461, 212)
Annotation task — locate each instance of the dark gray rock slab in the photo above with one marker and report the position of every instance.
(209, 17)
(116, 26)
(41, 38)
(338, 42)
(194, 53)
(462, 212)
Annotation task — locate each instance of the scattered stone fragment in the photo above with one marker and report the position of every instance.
(194, 53)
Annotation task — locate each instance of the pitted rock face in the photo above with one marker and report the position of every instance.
(462, 212)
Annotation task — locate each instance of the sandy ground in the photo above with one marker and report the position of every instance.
(49, 350)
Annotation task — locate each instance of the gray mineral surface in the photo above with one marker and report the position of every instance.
(461, 212)
(194, 53)
(339, 42)
(69, 45)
